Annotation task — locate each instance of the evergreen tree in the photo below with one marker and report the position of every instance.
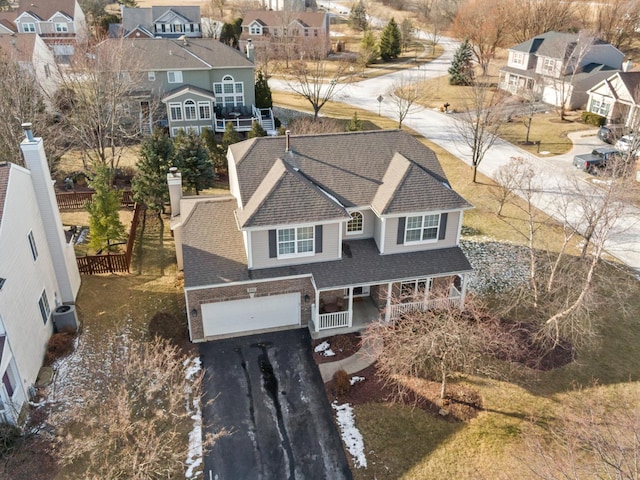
(229, 137)
(358, 17)
(390, 41)
(192, 159)
(150, 183)
(256, 130)
(263, 92)
(216, 153)
(105, 227)
(368, 49)
(461, 69)
(355, 124)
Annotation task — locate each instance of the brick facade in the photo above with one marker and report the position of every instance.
(196, 298)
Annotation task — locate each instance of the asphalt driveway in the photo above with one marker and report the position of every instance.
(267, 390)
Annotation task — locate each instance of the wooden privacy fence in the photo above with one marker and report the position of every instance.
(113, 262)
(77, 200)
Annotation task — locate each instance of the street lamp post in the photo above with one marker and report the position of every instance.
(380, 98)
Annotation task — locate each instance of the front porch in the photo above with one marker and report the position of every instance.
(352, 309)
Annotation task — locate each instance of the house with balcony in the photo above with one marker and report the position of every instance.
(60, 23)
(559, 68)
(158, 21)
(37, 278)
(329, 232)
(201, 83)
(618, 99)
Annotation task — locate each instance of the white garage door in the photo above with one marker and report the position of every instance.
(251, 314)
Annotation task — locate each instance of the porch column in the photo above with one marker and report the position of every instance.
(350, 309)
(387, 312)
(463, 289)
(315, 312)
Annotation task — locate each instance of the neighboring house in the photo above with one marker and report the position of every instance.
(559, 67)
(38, 273)
(60, 23)
(290, 5)
(307, 31)
(204, 84)
(618, 99)
(33, 56)
(165, 22)
(326, 231)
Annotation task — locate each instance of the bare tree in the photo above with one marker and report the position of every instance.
(403, 95)
(104, 116)
(130, 419)
(596, 436)
(485, 24)
(479, 123)
(618, 21)
(529, 18)
(308, 81)
(438, 343)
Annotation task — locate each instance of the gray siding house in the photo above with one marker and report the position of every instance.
(329, 232)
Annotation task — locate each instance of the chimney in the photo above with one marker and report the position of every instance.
(62, 255)
(174, 180)
(250, 50)
(287, 144)
(627, 65)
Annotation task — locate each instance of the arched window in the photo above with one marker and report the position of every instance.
(356, 224)
(229, 93)
(190, 110)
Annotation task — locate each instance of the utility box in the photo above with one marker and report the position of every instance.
(65, 318)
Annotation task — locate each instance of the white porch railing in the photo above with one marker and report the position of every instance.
(398, 309)
(333, 320)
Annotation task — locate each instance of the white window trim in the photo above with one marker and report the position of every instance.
(177, 76)
(236, 98)
(33, 246)
(355, 232)
(204, 104)
(151, 76)
(422, 228)
(255, 30)
(179, 107)
(44, 307)
(296, 254)
(61, 27)
(194, 108)
(518, 58)
(31, 29)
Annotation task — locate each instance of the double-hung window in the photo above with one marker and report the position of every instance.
(174, 76)
(28, 27)
(190, 110)
(61, 27)
(45, 309)
(175, 111)
(422, 228)
(295, 241)
(204, 109)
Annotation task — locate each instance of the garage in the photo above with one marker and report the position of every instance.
(251, 315)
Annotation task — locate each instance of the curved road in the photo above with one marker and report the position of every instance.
(559, 182)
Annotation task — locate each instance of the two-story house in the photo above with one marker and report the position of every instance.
(618, 99)
(559, 67)
(203, 83)
(159, 21)
(326, 231)
(296, 30)
(38, 273)
(32, 54)
(60, 23)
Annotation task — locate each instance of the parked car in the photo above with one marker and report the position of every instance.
(611, 133)
(597, 159)
(628, 143)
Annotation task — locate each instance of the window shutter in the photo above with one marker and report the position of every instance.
(401, 223)
(273, 244)
(443, 226)
(318, 238)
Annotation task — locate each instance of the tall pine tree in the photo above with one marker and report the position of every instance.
(192, 159)
(358, 17)
(390, 41)
(461, 69)
(368, 49)
(150, 182)
(105, 227)
(263, 92)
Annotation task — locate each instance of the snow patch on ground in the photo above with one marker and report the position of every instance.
(324, 349)
(194, 459)
(355, 379)
(351, 436)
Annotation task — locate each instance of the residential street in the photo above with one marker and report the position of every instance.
(555, 174)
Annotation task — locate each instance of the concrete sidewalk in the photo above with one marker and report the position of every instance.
(364, 357)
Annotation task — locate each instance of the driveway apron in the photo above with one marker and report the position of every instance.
(266, 390)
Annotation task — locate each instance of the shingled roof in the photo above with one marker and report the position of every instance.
(44, 10)
(388, 170)
(5, 169)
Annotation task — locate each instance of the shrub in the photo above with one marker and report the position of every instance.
(60, 345)
(593, 119)
(341, 382)
(9, 436)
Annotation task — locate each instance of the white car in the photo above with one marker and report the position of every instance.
(628, 143)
